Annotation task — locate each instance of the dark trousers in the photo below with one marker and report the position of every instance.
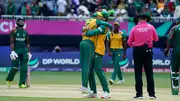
(143, 57)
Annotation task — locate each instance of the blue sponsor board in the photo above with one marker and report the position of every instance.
(70, 61)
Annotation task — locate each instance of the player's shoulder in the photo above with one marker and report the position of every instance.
(13, 30)
(25, 31)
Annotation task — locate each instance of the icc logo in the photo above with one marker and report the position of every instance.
(7, 26)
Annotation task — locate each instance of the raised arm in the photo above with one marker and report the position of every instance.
(100, 22)
(100, 30)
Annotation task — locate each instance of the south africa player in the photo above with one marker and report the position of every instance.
(99, 52)
(87, 48)
(20, 53)
(117, 44)
(174, 41)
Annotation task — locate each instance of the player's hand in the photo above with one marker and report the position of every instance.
(109, 53)
(29, 56)
(85, 28)
(112, 32)
(13, 55)
(166, 52)
(124, 56)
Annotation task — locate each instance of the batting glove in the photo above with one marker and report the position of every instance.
(29, 56)
(13, 55)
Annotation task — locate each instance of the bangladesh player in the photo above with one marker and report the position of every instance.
(117, 44)
(99, 52)
(20, 53)
(174, 41)
(87, 48)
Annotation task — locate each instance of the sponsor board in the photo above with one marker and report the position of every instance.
(70, 61)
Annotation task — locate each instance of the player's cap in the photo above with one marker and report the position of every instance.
(20, 18)
(105, 14)
(116, 23)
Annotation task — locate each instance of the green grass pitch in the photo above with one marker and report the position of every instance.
(162, 80)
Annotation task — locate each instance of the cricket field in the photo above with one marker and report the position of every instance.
(64, 86)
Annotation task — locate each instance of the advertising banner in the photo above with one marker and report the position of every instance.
(48, 27)
(70, 61)
(63, 27)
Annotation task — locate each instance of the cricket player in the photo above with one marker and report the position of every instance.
(141, 39)
(20, 53)
(87, 48)
(99, 52)
(174, 41)
(117, 44)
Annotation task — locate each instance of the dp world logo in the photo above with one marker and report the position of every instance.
(33, 63)
(123, 64)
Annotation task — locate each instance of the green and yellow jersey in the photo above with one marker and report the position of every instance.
(116, 40)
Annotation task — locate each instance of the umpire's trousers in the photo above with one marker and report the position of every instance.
(143, 58)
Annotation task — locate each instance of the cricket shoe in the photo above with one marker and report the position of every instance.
(106, 96)
(22, 86)
(111, 81)
(28, 86)
(85, 90)
(8, 83)
(121, 81)
(175, 91)
(90, 95)
(138, 97)
(152, 97)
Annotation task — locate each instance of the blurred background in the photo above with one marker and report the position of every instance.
(55, 26)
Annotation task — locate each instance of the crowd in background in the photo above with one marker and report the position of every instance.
(84, 8)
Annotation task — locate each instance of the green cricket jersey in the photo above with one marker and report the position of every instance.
(20, 38)
(174, 37)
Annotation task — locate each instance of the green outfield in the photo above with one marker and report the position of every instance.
(71, 83)
(162, 80)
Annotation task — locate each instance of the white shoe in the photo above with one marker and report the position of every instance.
(85, 90)
(121, 81)
(90, 95)
(106, 96)
(111, 81)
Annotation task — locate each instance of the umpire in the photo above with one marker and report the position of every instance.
(141, 39)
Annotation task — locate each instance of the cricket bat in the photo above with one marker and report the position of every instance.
(28, 81)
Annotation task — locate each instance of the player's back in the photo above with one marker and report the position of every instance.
(90, 23)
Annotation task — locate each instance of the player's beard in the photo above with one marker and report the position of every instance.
(20, 26)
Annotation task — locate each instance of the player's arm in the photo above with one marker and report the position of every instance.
(12, 38)
(170, 37)
(100, 30)
(100, 22)
(28, 42)
(108, 41)
(124, 43)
